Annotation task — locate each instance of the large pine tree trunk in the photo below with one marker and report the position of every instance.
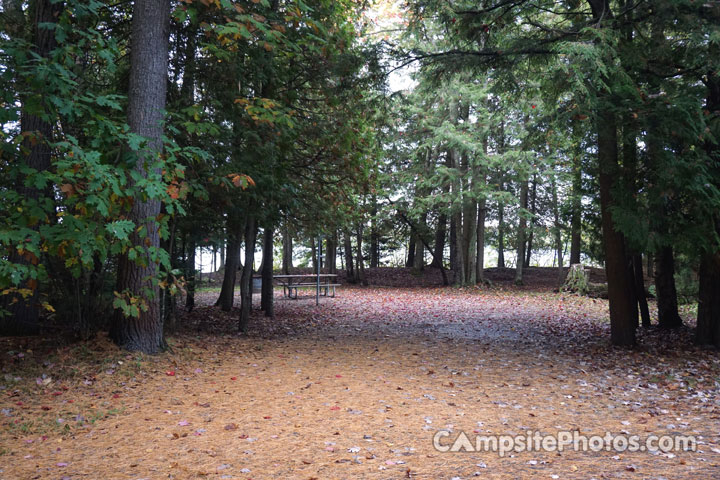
(360, 261)
(558, 233)
(501, 235)
(708, 317)
(623, 306)
(459, 267)
(347, 247)
(410, 260)
(531, 234)
(247, 273)
(313, 255)
(24, 313)
(480, 245)
(419, 257)
(439, 245)
(232, 264)
(374, 236)
(331, 253)
(576, 218)
(471, 242)
(287, 262)
(146, 103)
(668, 316)
(266, 295)
(640, 290)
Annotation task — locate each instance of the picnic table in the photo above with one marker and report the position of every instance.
(324, 283)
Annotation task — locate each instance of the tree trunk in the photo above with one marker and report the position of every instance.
(331, 253)
(360, 262)
(313, 255)
(374, 236)
(419, 257)
(576, 218)
(410, 262)
(522, 225)
(222, 255)
(453, 245)
(24, 313)
(347, 246)
(708, 316)
(623, 305)
(501, 235)
(247, 273)
(471, 211)
(558, 233)
(146, 103)
(457, 252)
(640, 290)
(533, 211)
(668, 316)
(287, 262)
(232, 264)
(266, 296)
(439, 245)
(480, 245)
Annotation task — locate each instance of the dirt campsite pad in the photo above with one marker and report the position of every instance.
(359, 387)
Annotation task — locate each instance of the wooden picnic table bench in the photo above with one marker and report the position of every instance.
(291, 283)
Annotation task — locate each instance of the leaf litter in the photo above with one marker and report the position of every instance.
(357, 387)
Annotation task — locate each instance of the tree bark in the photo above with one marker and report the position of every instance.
(668, 316)
(410, 261)
(347, 247)
(419, 257)
(374, 236)
(623, 305)
(24, 313)
(640, 290)
(313, 255)
(266, 296)
(439, 245)
(576, 218)
(501, 235)
(360, 262)
(533, 211)
(558, 233)
(146, 102)
(331, 253)
(247, 273)
(287, 262)
(232, 263)
(708, 316)
(480, 245)
(471, 242)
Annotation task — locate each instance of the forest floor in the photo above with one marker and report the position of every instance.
(358, 386)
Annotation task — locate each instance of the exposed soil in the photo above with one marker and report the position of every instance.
(358, 386)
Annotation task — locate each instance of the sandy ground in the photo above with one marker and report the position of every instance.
(357, 388)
